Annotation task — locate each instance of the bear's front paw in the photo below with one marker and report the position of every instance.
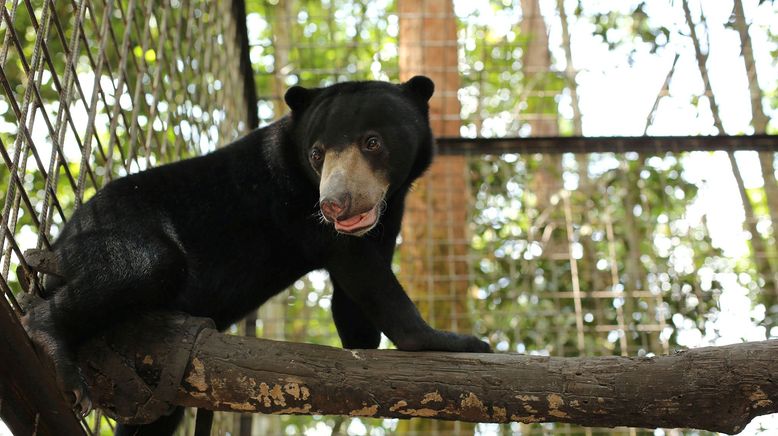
(475, 345)
(437, 340)
(469, 344)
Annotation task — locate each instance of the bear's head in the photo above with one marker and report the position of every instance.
(361, 142)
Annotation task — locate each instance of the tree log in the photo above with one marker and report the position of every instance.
(714, 388)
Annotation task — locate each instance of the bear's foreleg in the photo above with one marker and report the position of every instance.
(368, 281)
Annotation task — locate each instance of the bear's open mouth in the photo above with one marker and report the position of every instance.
(359, 223)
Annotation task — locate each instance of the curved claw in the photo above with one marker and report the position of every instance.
(74, 389)
(80, 401)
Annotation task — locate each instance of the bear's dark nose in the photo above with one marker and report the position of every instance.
(335, 208)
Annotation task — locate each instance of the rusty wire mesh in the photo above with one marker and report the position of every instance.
(93, 90)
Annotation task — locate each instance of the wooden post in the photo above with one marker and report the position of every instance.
(434, 264)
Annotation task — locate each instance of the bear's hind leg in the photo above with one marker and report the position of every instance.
(105, 278)
(41, 328)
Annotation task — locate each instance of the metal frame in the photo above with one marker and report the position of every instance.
(606, 144)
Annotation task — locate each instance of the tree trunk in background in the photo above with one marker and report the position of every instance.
(763, 267)
(281, 44)
(434, 267)
(758, 117)
(759, 120)
(542, 113)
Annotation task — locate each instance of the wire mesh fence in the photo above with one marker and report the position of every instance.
(606, 253)
(94, 90)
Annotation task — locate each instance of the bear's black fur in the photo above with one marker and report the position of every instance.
(218, 235)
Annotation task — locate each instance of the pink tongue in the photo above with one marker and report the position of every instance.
(359, 221)
(351, 221)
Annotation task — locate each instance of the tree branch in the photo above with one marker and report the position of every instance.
(715, 388)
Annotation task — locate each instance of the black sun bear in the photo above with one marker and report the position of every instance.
(218, 235)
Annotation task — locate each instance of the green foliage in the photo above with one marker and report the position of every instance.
(632, 29)
(519, 269)
(319, 44)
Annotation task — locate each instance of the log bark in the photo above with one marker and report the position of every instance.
(30, 402)
(715, 388)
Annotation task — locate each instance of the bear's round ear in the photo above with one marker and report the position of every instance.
(298, 98)
(420, 86)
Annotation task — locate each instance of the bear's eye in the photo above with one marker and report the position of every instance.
(372, 143)
(316, 154)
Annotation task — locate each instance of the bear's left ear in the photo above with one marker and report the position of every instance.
(298, 98)
(421, 87)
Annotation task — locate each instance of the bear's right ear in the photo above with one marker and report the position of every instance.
(420, 86)
(298, 98)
